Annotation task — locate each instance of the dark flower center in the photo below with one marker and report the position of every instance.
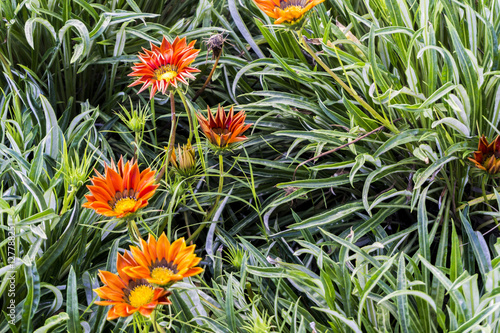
(164, 264)
(220, 131)
(123, 197)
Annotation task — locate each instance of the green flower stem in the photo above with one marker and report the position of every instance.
(248, 287)
(138, 325)
(134, 233)
(196, 200)
(186, 220)
(157, 328)
(196, 233)
(484, 198)
(367, 106)
(473, 202)
(171, 139)
(214, 208)
(483, 188)
(188, 111)
(148, 229)
(221, 183)
(153, 116)
(68, 199)
(193, 125)
(136, 148)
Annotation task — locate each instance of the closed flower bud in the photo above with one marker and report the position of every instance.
(135, 119)
(183, 159)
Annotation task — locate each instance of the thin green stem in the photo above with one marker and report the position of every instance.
(153, 116)
(173, 127)
(171, 140)
(67, 201)
(146, 225)
(136, 148)
(188, 111)
(194, 198)
(221, 183)
(353, 93)
(215, 206)
(157, 328)
(186, 220)
(196, 233)
(134, 232)
(193, 125)
(483, 188)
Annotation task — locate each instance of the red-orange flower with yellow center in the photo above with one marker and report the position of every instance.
(164, 65)
(223, 130)
(487, 156)
(162, 263)
(128, 295)
(122, 190)
(286, 11)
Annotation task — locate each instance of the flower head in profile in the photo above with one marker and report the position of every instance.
(128, 295)
(183, 159)
(222, 130)
(289, 12)
(164, 65)
(162, 263)
(487, 156)
(122, 190)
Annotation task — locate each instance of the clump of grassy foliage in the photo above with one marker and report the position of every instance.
(340, 213)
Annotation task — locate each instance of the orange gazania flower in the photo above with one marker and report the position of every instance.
(163, 66)
(487, 156)
(286, 11)
(128, 295)
(162, 263)
(223, 130)
(122, 191)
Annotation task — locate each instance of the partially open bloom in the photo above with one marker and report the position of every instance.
(162, 263)
(128, 295)
(286, 11)
(487, 156)
(183, 159)
(122, 190)
(223, 130)
(164, 65)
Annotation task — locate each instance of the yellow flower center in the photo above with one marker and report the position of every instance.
(162, 274)
(166, 73)
(294, 12)
(124, 205)
(141, 295)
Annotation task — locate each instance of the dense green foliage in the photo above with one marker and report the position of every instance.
(394, 231)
